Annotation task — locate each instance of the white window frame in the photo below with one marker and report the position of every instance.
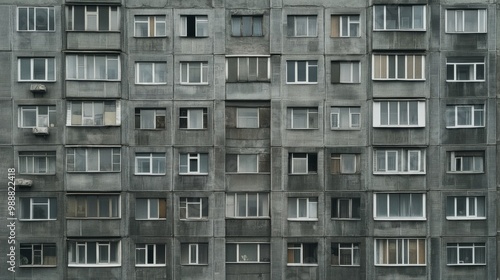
(79, 71)
(241, 157)
(113, 18)
(31, 13)
(378, 60)
(401, 107)
(311, 208)
(473, 246)
(474, 109)
(152, 31)
(300, 249)
(40, 118)
(51, 212)
(233, 206)
(472, 208)
(144, 248)
(240, 22)
(349, 19)
(100, 245)
(342, 162)
(193, 156)
(402, 161)
(252, 114)
(158, 115)
(398, 28)
(310, 66)
(402, 246)
(199, 21)
(37, 158)
(460, 24)
(160, 213)
(477, 161)
(188, 117)
(311, 113)
(159, 158)
(352, 248)
(115, 159)
(203, 72)
(350, 65)
(156, 74)
(409, 217)
(293, 157)
(102, 201)
(49, 69)
(241, 258)
(473, 70)
(336, 117)
(251, 76)
(350, 203)
(37, 253)
(194, 251)
(95, 115)
(200, 201)
(310, 19)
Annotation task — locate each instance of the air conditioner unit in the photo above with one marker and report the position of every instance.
(38, 88)
(23, 182)
(41, 130)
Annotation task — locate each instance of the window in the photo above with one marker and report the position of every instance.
(150, 26)
(94, 253)
(247, 69)
(345, 254)
(93, 18)
(398, 67)
(37, 69)
(37, 163)
(246, 26)
(194, 26)
(193, 208)
(93, 159)
(247, 205)
(193, 163)
(194, 72)
(150, 254)
(465, 69)
(248, 163)
(303, 118)
(37, 116)
(302, 72)
(346, 208)
(35, 19)
(466, 253)
(345, 163)
(151, 73)
(399, 161)
(150, 118)
(248, 253)
(41, 254)
(94, 113)
(465, 116)
(93, 206)
(395, 113)
(399, 206)
(38, 208)
(466, 21)
(399, 17)
(346, 72)
(247, 117)
(193, 118)
(400, 252)
(465, 207)
(466, 161)
(93, 67)
(194, 254)
(303, 208)
(150, 209)
(302, 254)
(345, 26)
(302, 26)
(302, 163)
(345, 117)
(150, 163)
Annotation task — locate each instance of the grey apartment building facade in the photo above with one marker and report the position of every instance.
(249, 139)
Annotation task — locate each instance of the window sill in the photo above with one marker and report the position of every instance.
(93, 80)
(399, 219)
(398, 80)
(36, 31)
(37, 266)
(302, 83)
(150, 84)
(194, 220)
(301, 264)
(159, 219)
(93, 31)
(346, 219)
(92, 172)
(459, 33)
(94, 265)
(466, 264)
(254, 36)
(248, 218)
(465, 172)
(94, 218)
(193, 129)
(36, 81)
(303, 37)
(345, 129)
(150, 265)
(399, 126)
(96, 126)
(399, 30)
(302, 174)
(249, 262)
(149, 174)
(195, 264)
(151, 129)
(346, 83)
(193, 174)
(392, 265)
(302, 220)
(345, 37)
(37, 174)
(399, 173)
(466, 218)
(150, 37)
(457, 127)
(37, 220)
(194, 37)
(465, 81)
(303, 128)
(346, 265)
(248, 82)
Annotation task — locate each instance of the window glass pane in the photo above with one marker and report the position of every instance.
(301, 71)
(391, 16)
(248, 252)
